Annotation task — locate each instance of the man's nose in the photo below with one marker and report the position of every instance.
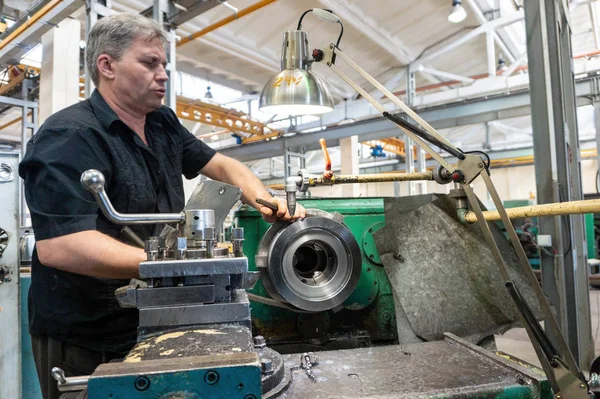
(162, 74)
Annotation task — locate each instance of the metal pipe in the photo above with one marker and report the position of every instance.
(371, 178)
(31, 21)
(93, 181)
(67, 384)
(554, 209)
(225, 21)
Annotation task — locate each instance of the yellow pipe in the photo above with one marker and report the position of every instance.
(225, 21)
(556, 209)
(34, 19)
(12, 122)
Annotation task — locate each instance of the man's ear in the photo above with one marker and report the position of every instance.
(104, 63)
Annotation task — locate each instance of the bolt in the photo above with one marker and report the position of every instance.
(141, 383)
(583, 386)
(259, 341)
(558, 396)
(266, 366)
(480, 165)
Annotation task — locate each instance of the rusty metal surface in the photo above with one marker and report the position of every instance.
(442, 369)
(442, 271)
(369, 178)
(193, 341)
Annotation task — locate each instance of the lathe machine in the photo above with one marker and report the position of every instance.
(196, 338)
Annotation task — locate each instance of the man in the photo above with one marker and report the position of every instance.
(142, 149)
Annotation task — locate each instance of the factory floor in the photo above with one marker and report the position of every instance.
(516, 342)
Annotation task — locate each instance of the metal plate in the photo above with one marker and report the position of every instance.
(237, 311)
(211, 194)
(170, 296)
(442, 271)
(451, 368)
(193, 267)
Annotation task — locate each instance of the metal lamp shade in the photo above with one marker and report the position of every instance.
(295, 92)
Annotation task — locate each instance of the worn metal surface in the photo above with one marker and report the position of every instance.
(235, 375)
(236, 311)
(318, 180)
(170, 296)
(211, 194)
(443, 274)
(451, 368)
(193, 267)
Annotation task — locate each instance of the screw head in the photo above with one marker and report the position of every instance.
(480, 165)
(582, 386)
(211, 377)
(141, 383)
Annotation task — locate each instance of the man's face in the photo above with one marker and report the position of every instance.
(140, 77)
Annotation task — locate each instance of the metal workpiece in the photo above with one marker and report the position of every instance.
(69, 384)
(313, 264)
(93, 181)
(371, 178)
(199, 224)
(193, 267)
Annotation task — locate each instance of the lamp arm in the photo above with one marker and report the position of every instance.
(559, 365)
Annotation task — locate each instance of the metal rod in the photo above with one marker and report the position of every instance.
(371, 178)
(382, 109)
(93, 181)
(554, 209)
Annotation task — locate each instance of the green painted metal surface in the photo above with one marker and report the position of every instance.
(590, 235)
(370, 307)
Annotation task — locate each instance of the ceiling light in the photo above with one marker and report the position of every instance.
(208, 94)
(457, 13)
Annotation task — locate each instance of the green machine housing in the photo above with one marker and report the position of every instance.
(368, 314)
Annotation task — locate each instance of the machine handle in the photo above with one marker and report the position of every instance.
(93, 181)
(327, 174)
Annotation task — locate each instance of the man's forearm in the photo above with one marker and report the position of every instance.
(91, 253)
(237, 174)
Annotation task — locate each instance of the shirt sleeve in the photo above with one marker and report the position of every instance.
(196, 153)
(51, 168)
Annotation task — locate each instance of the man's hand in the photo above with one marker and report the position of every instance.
(282, 211)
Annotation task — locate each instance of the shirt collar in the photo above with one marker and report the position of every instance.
(107, 116)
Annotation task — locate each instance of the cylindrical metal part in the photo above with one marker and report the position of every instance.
(181, 247)
(294, 52)
(93, 181)
(291, 202)
(237, 241)
(133, 238)
(151, 248)
(196, 223)
(210, 249)
(554, 209)
(66, 384)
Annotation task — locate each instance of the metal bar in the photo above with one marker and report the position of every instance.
(447, 75)
(372, 178)
(32, 20)
(18, 102)
(398, 103)
(225, 21)
(554, 209)
(513, 67)
(557, 177)
(193, 267)
(382, 109)
(487, 233)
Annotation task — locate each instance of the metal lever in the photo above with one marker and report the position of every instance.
(66, 384)
(93, 181)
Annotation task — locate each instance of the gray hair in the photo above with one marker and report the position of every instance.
(114, 34)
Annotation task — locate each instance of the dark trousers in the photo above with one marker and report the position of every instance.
(74, 360)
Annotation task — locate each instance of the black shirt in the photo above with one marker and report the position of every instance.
(140, 178)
